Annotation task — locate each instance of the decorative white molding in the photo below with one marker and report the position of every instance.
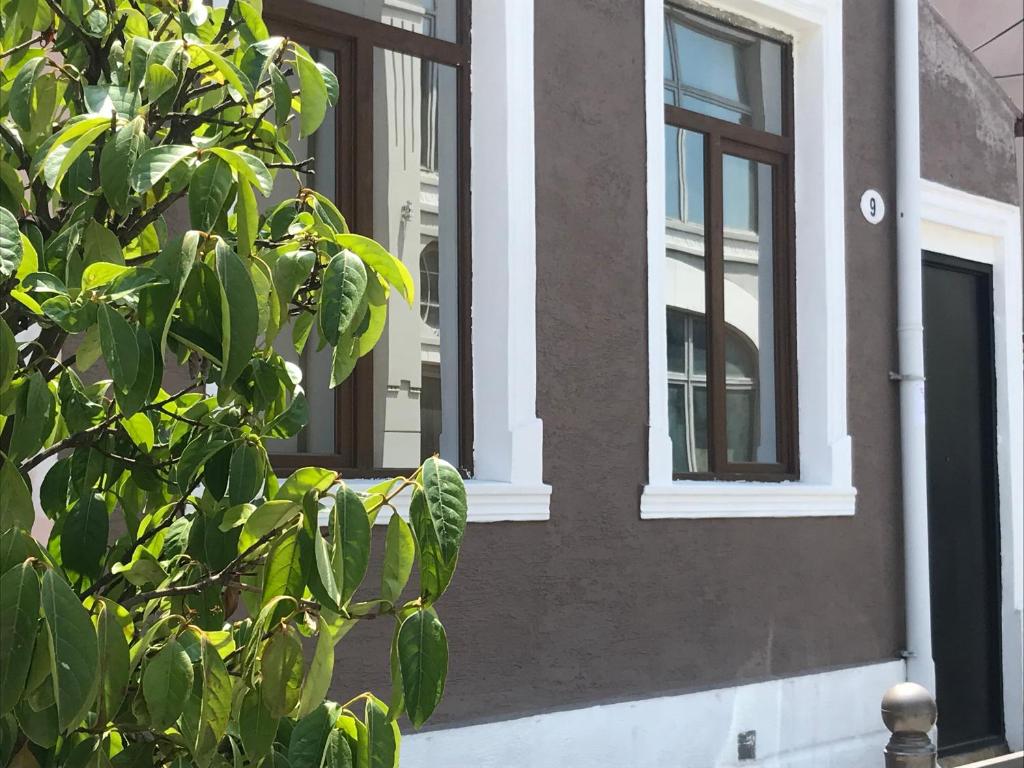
(489, 502)
(967, 226)
(827, 719)
(815, 27)
(699, 499)
(508, 436)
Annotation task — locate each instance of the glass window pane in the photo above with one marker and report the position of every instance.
(415, 188)
(749, 316)
(319, 435)
(434, 18)
(724, 72)
(685, 299)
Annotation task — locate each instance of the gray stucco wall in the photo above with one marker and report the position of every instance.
(967, 120)
(596, 605)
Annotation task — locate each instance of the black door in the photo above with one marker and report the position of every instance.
(962, 502)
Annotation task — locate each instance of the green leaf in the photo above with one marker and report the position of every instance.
(83, 540)
(100, 244)
(399, 554)
(446, 504)
(387, 266)
(310, 737)
(166, 684)
(208, 192)
(248, 167)
(282, 94)
(29, 258)
(73, 651)
(101, 273)
(8, 355)
(239, 315)
(11, 249)
(116, 160)
(120, 348)
(113, 659)
(159, 80)
(140, 429)
(246, 474)
(60, 161)
(248, 217)
(304, 480)
(154, 164)
(269, 516)
(232, 75)
(17, 510)
(312, 92)
(132, 399)
(19, 624)
(205, 719)
(156, 306)
(344, 286)
(350, 541)
(381, 735)
(20, 98)
(34, 419)
(320, 672)
(256, 726)
(281, 668)
(423, 657)
(285, 572)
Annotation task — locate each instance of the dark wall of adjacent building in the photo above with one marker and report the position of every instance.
(597, 605)
(967, 120)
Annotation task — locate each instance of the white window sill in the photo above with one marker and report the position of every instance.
(489, 501)
(699, 499)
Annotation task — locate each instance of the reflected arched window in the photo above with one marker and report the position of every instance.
(688, 393)
(430, 303)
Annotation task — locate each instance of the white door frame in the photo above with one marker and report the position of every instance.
(966, 226)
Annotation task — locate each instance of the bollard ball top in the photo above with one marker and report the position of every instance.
(908, 707)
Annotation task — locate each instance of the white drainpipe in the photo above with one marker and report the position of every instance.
(910, 332)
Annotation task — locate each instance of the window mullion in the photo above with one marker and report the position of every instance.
(715, 287)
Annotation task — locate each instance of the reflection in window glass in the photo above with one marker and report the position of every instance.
(749, 310)
(722, 71)
(415, 364)
(687, 391)
(434, 18)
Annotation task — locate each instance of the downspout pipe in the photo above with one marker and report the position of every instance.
(910, 335)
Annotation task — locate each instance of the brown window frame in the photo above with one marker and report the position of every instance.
(777, 150)
(353, 40)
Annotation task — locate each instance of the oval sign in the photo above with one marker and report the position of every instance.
(872, 206)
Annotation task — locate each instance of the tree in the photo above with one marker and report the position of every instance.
(205, 632)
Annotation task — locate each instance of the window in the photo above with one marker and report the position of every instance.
(395, 157)
(729, 251)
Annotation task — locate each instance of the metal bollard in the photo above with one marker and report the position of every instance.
(909, 713)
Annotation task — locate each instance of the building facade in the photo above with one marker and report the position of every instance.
(658, 305)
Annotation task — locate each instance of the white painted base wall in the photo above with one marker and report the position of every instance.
(827, 720)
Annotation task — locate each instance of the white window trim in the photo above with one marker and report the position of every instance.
(825, 487)
(979, 229)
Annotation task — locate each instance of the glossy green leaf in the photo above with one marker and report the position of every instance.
(119, 345)
(19, 624)
(399, 554)
(248, 217)
(208, 192)
(8, 355)
(239, 315)
(248, 167)
(310, 736)
(349, 530)
(204, 721)
(21, 93)
(320, 672)
(10, 244)
(166, 684)
(34, 418)
(381, 734)
(100, 245)
(140, 429)
(423, 656)
(113, 659)
(246, 473)
(282, 94)
(73, 650)
(153, 165)
(83, 540)
(387, 266)
(313, 92)
(281, 669)
(344, 286)
(286, 570)
(16, 509)
(445, 495)
(256, 726)
(117, 159)
(267, 517)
